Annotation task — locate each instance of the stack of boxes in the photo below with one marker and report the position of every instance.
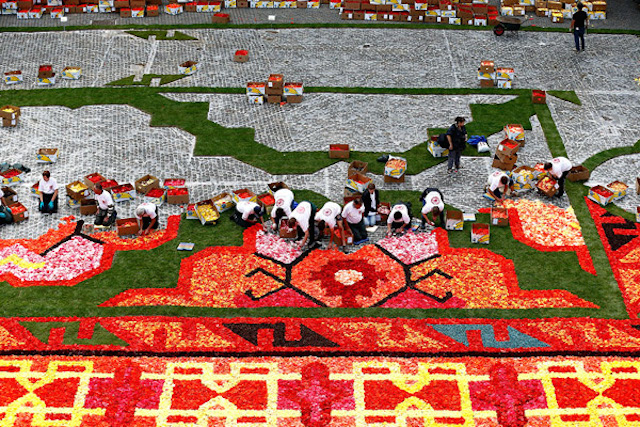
(275, 90)
(490, 75)
(467, 12)
(557, 11)
(505, 156)
(10, 115)
(10, 199)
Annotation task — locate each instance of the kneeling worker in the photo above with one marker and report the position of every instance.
(48, 188)
(300, 219)
(432, 203)
(399, 220)
(330, 216)
(353, 212)
(247, 214)
(498, 186)
(147, 217)
(106, 214)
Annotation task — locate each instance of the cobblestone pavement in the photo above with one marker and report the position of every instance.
(369, 122)
(621, 14)
(625, 169)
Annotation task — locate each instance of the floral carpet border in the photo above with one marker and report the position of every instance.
(192, 336)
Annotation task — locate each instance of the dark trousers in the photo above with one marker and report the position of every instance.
(146, 221)
(425, 192)
(251, 220)
(454, 158)
(561, 184)
(359, 230)
(578, 36)
(46, 198)
(103, 217)
(312, 227)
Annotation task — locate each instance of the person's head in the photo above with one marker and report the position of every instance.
(257, 211)
(292, 223)
(97, 188)
(504, 180)
(548, 166)
(460, 121)
(321, 226)
(140, 212)
(580, 6)
(435, 212)
(371, 187)
(357, 202)
(278, 215)
(397, 216)
(46, 175)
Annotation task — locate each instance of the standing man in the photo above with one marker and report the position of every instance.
(579, 24)
(559, 168)
(48, 188)
(371, 201)
(353, 212)
(432, 203)
(457, 138)
(106, 214)
(399, 220)
(301, 218)
(147, 217)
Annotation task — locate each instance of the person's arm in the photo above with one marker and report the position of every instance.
(55, 195)
(573, 23)
(306, 237)
(151, 224)
(450, 142)
(426, 219)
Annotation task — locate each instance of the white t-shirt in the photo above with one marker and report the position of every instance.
(560, 165)
(104, 200)
(352, 214)
(149, 210)
(403, 210)
(246, 209)
(328, 213)
(283, 198)
(494, 181)
(48, 187)
(431, 200)
(302, 214)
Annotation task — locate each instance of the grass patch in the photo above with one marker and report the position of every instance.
(146, 80)
(161, 35)
(567, 95)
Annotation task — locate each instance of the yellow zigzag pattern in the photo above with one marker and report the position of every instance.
(15, 259)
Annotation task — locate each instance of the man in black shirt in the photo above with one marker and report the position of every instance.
(579, 25)
(457, 138)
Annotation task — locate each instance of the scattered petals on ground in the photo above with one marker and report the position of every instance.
(411, 247)
(274, 247)
(149, 241)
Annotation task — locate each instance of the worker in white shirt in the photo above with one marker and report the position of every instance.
(329, 216)
(247, 214)
(399, 220)
(559, 168)
(432, 203)
(147, 216)
(282, 206)
(498, 186)
(48, 188)
(106, 214)
(300, 219)
(353, 212)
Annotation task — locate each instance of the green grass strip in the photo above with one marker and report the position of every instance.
(567, 95)
(161, 35)
(554, 140)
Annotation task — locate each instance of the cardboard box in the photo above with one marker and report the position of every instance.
(557, 17)
(395, 167)
(178, 196)
(267, 202)
(358, 166)
(152, 10)
(275, 186)
(392, 180)
(47, 81)
(547, 186)
(578, 173)
(241, 56)
(293, 88)
(504, 84)
(515, 132)
(293, 99)
(274, 99)
(188, 68)
(276, 81)
(88, 207)
(638, 214)
(480, 233)
(286, 232)
(10, 112)
(146, 183)
(11, 177)
(342, 239)
(220, 18)
(125, 12)
(127, 226)
(538, 96)
(19, 212)
(191, 7)
(506, 158)
(500, 217)
(358, 182)
(223, 202)
(47, 155)
(600, 195)
(487, 83)
(92, 179)
(301, 4)
(618, 188)
(244, 195)
(278, 91)
(77, 190)
(109, 184)
(13, 77)
(34, 190)
(72, 203)
(256, 88)
(45, 71)
(508, 147)
(123, 193)
(498, 163)
(207, 212)
(10, 196)
(157, 196)
(173, 183)
(173, 9)
(454, 220)
(487, 67)
(190, 212)
(349, 195)
(339, 151)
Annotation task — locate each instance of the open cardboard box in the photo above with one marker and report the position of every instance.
(10, 196)
(500, 217)
(77, 190)
(92, 179)
(88, 207)
(578, 173)
(358, 182)
(146, 183)
(358, 166)
(275, 186)
(454, 220)
(244, 195)
(127, 226)
(285, 231)
(600, 195)
(342, 239)
(207, 212)
(178, 196)
(19, 212)
(123, 192)
(223, 202)
(480, 233)
(339, 151)
(547, 186)
(508, 147)
(47, 155)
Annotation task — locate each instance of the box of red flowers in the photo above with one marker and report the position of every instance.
(127, 226)
(547, 186)
(480, 233)
(500, 217)
(19, 212)
(11, 177)
(109, 184)
(342, 237)
(244, 195)
(155, 196)
(267, 201)
(178, 196)
(124, 192)
(92, 179)
(600, 195)
(174, 183)
(339, 151)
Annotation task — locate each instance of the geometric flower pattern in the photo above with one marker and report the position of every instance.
(315, 392)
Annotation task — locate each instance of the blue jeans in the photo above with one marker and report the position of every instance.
(578, 36)
(370, 220)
